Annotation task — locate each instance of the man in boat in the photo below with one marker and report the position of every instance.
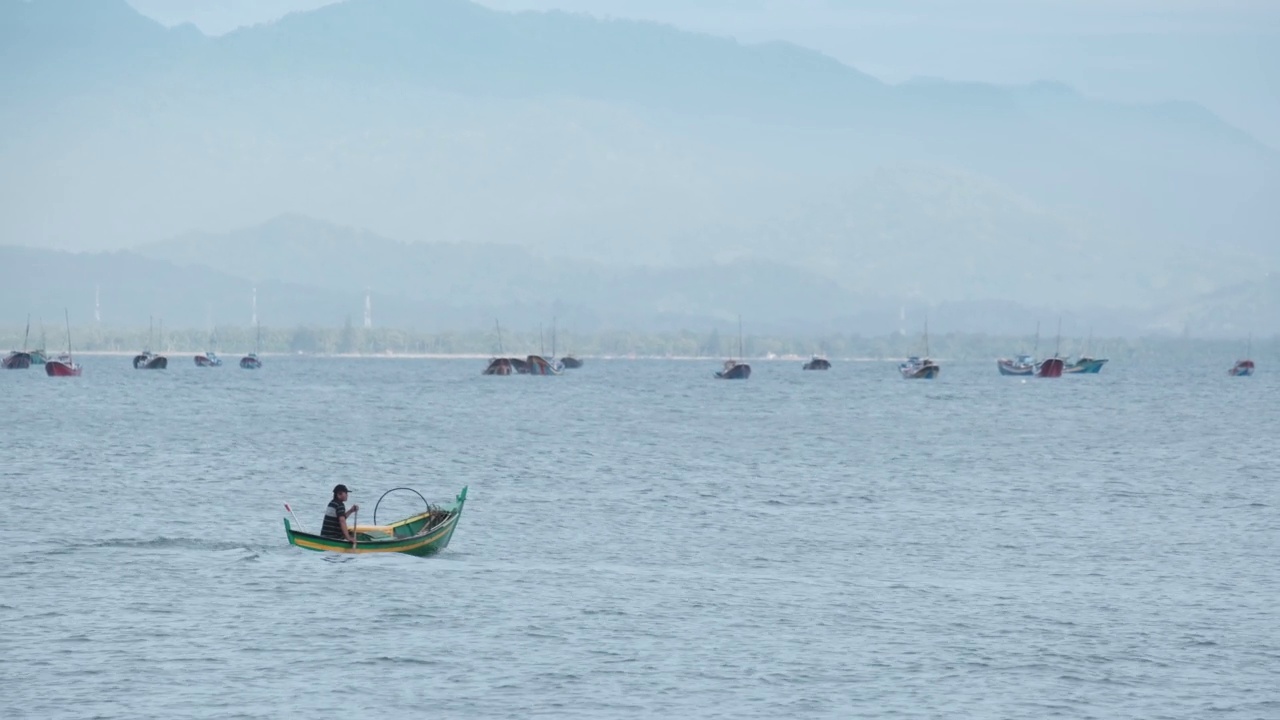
(335, 516)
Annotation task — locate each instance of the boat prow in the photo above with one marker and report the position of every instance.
(419, 535)
(1050, 368)
(209, 359)
(538, 365)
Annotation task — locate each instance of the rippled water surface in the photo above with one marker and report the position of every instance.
(641, 540)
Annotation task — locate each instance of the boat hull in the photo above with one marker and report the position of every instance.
(207, 361)
(570, 362)
(740, 371)
(249, 362)
(1085, 366)
(1009, 367)
(60, 368)
(1050, 368)
(406, 537)
(499, 366)
(928, 372)
(150, 362)
(538, 365)
(817, 364)
(1244, 368)
(16, 361)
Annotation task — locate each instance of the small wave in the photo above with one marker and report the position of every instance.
(168, 543)
(405, 660)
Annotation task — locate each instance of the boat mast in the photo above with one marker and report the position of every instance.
(1057, 342)
(67, 315)
(499, 330)
(926, 337)
(740, 356)
(1035, 349)
(26, 334)
(553, 337)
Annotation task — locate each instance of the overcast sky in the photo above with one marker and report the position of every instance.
(1224, 54)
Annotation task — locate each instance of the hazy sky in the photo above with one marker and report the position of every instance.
(1224, 54)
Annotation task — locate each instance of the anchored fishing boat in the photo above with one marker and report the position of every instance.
(147, 360)
(504, 365)
(734, 370)
(16, 360)
(918, 368)
(423, 534)
(538, 365)
(817, 363)
(1021, 365)
(1085, 365)
(63, 365)
(251, 361)
(209, 358)
(1243, 368)
(499, 366)
(1053, 367)
(1050, 368)
(19, 359)
(41, 356)
(570, 362)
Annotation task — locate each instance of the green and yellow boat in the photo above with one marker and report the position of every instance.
(419, 535)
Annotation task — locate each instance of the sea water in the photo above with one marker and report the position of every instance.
(641, 540)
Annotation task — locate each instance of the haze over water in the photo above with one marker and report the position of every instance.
(641, 540)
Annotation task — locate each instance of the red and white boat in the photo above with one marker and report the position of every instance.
(63, 365)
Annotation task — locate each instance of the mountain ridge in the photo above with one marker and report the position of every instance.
(622, 142)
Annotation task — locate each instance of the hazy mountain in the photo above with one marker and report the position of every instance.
(468, 284)
(604, 143)
(309, 272)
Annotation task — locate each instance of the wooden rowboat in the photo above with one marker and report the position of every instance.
(419, 535)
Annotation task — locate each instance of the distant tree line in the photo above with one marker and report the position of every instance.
(352, 340)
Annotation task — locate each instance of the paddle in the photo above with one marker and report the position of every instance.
(295, 517)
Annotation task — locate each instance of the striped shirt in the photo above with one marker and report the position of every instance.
(331, 528)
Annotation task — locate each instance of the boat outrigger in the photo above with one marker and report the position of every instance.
(419, 535)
